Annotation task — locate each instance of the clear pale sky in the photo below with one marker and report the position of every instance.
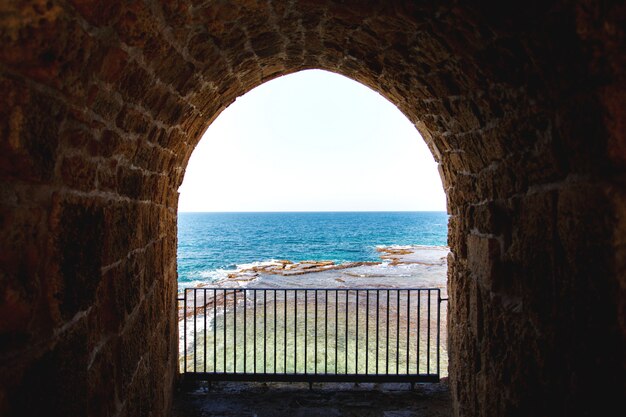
(311, 141)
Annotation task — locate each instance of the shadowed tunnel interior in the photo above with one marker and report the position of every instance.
(522, 104)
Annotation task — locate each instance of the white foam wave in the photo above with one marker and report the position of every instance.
(204, 278)
(214, 274)
(211, 276)
(256, 264)
(410, 246)
(397, 246)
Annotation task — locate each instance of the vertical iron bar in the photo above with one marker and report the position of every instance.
(397, 332)
(225, 344)
(367, 331)
(195, 344)
(387, 341)
(215, 330)
(245, 328)
(205, 344)
(315, 339)
(275, 340)
(346, 345)
(254, 330)
(356, 342)
(377, 328)
(235, 331)
(408, 328)
(438, 328)
(285, 331)
(185, 327)
(419, 313)
(264, 331)
(336, 331)
(326, 333)
(295, 331)
(428, 338)
(306, 344)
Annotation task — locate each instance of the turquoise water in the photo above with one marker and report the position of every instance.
(210, 244)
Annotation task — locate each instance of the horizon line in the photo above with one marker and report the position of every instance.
(319, 211)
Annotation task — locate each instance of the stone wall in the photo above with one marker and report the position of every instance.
(104, 100)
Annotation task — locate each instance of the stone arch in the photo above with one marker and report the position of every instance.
(105, 101)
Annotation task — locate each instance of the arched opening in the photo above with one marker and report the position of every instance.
(105, 103)
(356, 142)
(326, 172)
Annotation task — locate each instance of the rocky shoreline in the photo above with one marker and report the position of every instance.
(435, 256)
(288, 268)
(398, 266)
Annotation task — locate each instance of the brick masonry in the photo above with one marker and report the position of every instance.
(522, 104)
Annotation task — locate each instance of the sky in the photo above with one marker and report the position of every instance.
(311, 141)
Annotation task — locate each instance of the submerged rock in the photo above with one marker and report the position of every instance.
(431, 258)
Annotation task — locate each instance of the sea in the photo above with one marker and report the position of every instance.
(212, 245)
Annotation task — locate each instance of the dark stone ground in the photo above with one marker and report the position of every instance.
(242, 399)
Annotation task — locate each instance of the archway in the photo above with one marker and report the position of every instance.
(312, 181)
(106, 100)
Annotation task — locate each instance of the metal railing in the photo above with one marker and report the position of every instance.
(311, 335)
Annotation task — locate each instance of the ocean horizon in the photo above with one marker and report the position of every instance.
(316, 211)
(213, 244)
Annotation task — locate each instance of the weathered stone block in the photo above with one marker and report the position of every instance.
(117, 242)
(79, 246)
(134, 83)
(102, 372)
(133, 121)
(130, 181)
(97, 12)
(483, 254)
(102, 103)
(78, 172)
(107, 176)
(55, 383)
(30, 137)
